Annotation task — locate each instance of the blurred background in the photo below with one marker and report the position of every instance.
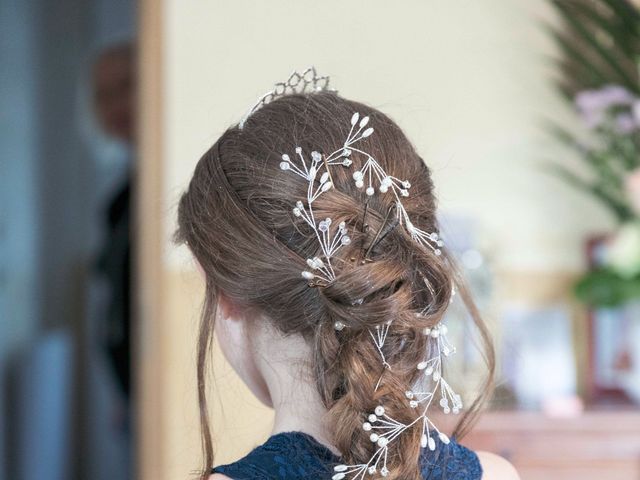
(528, 113)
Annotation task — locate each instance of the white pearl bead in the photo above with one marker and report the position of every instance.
(373, 437)
(366, 426)
(373, 418)
(379, 411)
(382, 442)
(431, 443)
(370, 191)
(339, 325)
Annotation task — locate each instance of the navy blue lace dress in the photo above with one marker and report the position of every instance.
(297, 456)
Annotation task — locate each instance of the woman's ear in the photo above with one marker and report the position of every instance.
(231, 333)
(228, 310)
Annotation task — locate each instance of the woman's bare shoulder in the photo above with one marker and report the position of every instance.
(218, 476)
(494, 467)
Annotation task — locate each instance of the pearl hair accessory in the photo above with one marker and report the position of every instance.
(321, 269)
(371, 171)
(381, 428)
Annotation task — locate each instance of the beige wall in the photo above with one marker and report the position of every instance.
(467, 79)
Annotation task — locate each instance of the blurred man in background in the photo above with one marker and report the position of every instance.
(114, 97)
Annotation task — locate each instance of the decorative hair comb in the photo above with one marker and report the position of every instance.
(381, 428)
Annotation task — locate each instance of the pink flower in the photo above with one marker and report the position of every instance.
(625, 123)
(632, 184)
(603, 98)
(592, 104)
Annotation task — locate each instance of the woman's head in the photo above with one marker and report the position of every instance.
(237, 219)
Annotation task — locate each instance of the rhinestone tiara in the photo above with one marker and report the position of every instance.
(306, 82)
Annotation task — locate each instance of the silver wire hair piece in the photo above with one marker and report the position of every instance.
(319, 182)
(382, 429)
(305, 82)
(320, 268)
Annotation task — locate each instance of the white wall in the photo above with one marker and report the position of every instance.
(468, 80)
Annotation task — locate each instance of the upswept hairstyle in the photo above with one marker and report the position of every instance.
(236, 218)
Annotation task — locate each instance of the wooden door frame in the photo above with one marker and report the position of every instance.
(149, 283)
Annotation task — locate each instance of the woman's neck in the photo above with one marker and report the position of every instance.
(284, 363)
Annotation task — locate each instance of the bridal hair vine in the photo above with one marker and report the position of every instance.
(315, 169)
(319, 182)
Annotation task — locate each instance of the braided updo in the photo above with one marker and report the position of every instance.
(236, 218)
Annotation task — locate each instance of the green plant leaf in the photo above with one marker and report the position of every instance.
(587, 67)
(604, 288)
(620, 210)
(570, 17)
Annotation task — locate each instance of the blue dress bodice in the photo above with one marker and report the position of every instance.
(297, 456)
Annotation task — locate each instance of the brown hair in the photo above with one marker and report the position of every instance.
(236, 217)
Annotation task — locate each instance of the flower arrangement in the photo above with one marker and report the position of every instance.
(600, 40)
(612, 116)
